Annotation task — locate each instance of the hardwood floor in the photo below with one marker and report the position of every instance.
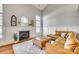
(6, 49)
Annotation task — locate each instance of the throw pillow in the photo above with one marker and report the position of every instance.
(58, 33)
(63, 35)
(52, 42)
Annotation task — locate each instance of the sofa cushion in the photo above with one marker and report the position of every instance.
(60, 40)
(71, 42)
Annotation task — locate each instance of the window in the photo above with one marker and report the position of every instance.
(38, 25)
(1, 21)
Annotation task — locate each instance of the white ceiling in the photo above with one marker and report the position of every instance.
(40, 6)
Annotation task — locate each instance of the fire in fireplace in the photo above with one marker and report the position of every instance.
(23, 35)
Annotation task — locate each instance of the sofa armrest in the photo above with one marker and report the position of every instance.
(77, 49)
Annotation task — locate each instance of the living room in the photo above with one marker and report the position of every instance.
(22, 24)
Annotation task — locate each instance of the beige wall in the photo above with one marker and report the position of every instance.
(18, 10)
(61, 17)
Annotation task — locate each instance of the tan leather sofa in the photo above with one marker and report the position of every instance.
(63, 45)
(56, 49)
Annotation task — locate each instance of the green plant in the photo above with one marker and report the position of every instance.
(15, 37)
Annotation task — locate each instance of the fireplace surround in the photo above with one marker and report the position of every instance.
(24, 35)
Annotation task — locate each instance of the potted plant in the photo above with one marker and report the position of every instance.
(15, 36)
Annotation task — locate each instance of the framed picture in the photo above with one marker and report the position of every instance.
(31, 23)
(13, 20)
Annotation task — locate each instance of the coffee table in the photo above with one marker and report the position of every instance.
(41, 41)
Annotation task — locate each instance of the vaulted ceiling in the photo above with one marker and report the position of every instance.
(43, 6)
(40, 6)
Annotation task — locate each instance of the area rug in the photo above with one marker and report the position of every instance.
(27, 48)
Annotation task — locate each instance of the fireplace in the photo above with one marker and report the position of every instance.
(23, 35)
